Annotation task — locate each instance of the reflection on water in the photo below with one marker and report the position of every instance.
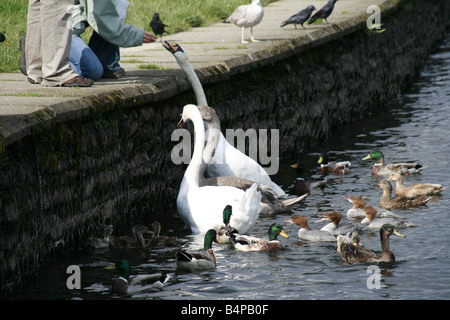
(414, 127)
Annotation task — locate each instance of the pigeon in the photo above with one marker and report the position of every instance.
(157, 25)
(300, 17)
(247, 16)
(324, 12)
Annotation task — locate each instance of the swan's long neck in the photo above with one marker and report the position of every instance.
(183, 61)
(195, 169)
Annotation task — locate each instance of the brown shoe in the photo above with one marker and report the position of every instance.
(114, 74)
(78, 81)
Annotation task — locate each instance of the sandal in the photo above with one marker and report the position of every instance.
(78, 82)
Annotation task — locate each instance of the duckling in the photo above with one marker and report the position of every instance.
(371, 222)
(126, 284)
(103, 242)
(137, 240)
(300, 186)
(353, 254)
(225, 231)
(334, 227)
(380, 168)
(305, 233)
(201, 260)
(250, 243)
(354, 239)
(157, 239)
(339, 167)
(417, 189)
(386, 202)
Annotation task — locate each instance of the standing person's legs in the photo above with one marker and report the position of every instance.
(56, 39)
(33, 44)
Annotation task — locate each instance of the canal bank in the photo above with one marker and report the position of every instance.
(74, 163)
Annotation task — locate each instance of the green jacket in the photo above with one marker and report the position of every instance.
(103, 17)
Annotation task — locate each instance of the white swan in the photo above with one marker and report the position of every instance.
(202, 207)
(223, 160)
(247, 16)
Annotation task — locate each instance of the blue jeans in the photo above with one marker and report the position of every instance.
(91, 61)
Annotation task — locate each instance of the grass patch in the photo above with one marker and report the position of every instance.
(22, 94)
(131, 61)
(180, 15)
(151, 67)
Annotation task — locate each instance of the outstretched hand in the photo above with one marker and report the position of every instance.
(149, 37)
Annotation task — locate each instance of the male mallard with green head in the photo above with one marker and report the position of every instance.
(381, 168)
(249, 243)
(126, 283)
(200, 260)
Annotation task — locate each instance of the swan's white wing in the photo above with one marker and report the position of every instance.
(203, 208)
(229, 161)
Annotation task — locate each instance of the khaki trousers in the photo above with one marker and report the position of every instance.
(47, 45)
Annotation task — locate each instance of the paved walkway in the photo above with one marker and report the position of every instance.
(215, 52)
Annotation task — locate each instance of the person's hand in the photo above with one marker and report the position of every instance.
(149, 37)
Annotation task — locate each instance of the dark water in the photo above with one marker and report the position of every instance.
(416, 126)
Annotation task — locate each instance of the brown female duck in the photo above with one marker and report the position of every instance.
(356, 253)
(417, 189)
(386, 202)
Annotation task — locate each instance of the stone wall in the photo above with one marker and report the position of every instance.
(59, 186)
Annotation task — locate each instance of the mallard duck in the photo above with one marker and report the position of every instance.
(305, 233)
(358, 204)
(225, 231)
(247, 16)
(372, 222)
(417, 189)
(126, 284)
(335, 227)
(339, 167)
(380, 168)
(137, 239)
(249, 243)
(300, 186)
(353, 254)
(386, 202)
(201, 206)
(157, 239)
(103, 242)
(200, 260)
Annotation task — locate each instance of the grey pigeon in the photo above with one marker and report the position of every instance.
(157, 25)
(300, 17)
(324, 12)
